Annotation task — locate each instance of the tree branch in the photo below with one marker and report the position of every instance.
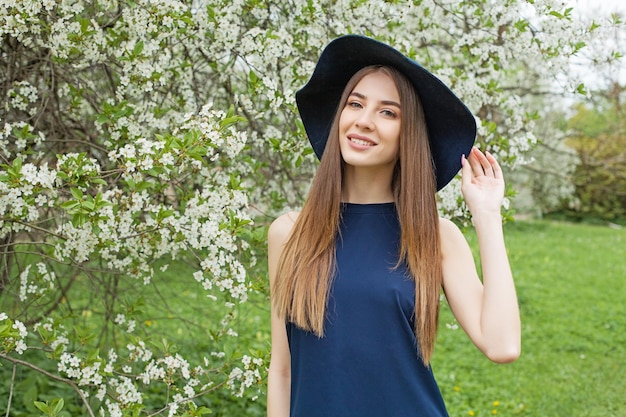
(69, 382)
(198, 395)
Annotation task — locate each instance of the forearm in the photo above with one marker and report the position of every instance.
(278, 394)
(500, 319)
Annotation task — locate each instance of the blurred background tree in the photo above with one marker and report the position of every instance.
(597, 133)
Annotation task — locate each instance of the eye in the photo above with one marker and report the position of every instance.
(389, 113)
(354, 104)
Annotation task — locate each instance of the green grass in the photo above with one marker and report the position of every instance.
(570, 281)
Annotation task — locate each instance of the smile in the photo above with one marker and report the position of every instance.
(361, 142)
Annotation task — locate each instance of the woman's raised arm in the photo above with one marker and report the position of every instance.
(488, 311)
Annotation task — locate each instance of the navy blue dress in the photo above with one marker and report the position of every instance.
(367, 362)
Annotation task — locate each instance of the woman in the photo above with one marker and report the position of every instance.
(356, 275)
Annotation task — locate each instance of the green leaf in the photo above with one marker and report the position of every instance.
(521, 25)
(143, 185)
(93, 356)
(78, 194)
(253, 77)
(84, 25)
(138, 48)
(69, 205)
(163, 214)
(17, 165)
(79, 219)
(231, 118)
(89, 205)
(5, 329)
(102, 118)
(43, 407)
(58, 405)
(579, 45)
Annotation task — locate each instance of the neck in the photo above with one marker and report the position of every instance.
(366, 186)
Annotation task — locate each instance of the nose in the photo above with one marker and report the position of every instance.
(365, 121)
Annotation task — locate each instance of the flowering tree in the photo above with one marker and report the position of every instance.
(575, 170)
(139, 135)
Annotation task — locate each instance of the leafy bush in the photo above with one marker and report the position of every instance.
(598, 135)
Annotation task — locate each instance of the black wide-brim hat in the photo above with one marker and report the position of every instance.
(451, 126)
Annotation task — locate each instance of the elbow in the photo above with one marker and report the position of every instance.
(506, 355)
(280, 371)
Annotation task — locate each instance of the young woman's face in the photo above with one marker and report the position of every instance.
(369, 125)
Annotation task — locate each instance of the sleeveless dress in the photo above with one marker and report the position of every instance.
(367, 363)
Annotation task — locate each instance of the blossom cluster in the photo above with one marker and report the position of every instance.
(43, 280)
(241, 379)
(117, 381)
(13, 334)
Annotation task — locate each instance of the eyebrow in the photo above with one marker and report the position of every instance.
(385, 102)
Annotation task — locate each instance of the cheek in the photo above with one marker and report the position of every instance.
(343, 121)
(395, 133)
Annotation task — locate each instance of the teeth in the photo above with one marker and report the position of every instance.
(361, 142)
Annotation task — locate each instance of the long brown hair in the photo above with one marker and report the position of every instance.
(307, 263)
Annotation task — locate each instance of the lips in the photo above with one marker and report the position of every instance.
(361, 140)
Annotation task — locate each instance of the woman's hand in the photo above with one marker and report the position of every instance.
(482, 183)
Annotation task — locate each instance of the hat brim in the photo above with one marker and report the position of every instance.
(451, 126)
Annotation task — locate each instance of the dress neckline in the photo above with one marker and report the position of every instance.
(389, 207)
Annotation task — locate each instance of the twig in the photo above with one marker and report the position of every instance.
(11, 390)
(37, 228)
(197, 395)
(69, 382)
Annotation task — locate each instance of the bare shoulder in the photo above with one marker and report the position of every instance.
(281, 227)
(447, 227)
(277, 236)
(450, 235)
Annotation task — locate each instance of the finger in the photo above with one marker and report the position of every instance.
(474, 160)
(466, 172)
(497, 170)
(484, 162)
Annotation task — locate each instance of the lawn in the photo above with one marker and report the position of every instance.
(571, 287)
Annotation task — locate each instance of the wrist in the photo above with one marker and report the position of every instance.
(486, 217)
